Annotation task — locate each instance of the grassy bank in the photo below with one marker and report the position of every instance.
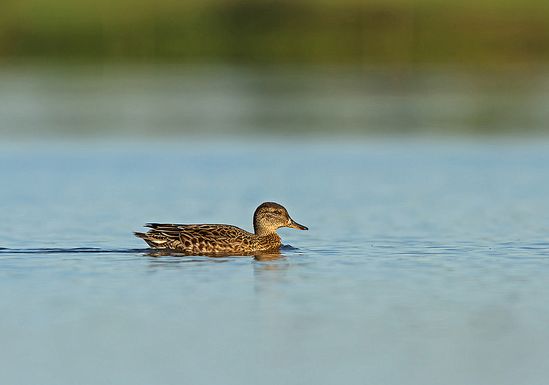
(394, 32)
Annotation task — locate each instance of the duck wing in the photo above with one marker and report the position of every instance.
(204, 230)
(207, 238)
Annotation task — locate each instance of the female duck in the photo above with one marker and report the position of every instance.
(219, 239)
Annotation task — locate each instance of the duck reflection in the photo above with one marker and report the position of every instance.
(270, 273)
(268, 256)
(257, 256)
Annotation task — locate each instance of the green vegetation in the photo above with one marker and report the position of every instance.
(487, 33)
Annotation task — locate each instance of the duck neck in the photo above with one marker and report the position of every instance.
(270, 238)
(263, 231)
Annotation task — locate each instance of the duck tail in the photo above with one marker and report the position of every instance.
(151, 240)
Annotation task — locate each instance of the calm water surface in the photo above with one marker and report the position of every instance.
(425, 263)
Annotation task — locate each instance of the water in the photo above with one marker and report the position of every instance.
(134, 101)
(426, 262)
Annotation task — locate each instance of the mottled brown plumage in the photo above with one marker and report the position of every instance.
(222, 239)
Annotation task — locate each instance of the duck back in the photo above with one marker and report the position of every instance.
(206, 238)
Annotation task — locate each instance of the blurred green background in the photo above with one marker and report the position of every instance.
(248, 66)
(390, 32)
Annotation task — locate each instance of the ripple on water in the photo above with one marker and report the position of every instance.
(398, 280)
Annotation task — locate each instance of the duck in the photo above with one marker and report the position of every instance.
(203, 239)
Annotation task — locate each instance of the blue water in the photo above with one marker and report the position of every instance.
(426, 262)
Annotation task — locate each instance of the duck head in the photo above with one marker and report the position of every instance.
(270, 216)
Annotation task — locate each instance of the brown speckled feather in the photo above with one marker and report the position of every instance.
(209, 239)
(222, 239)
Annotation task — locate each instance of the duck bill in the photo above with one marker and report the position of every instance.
(294, 225)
